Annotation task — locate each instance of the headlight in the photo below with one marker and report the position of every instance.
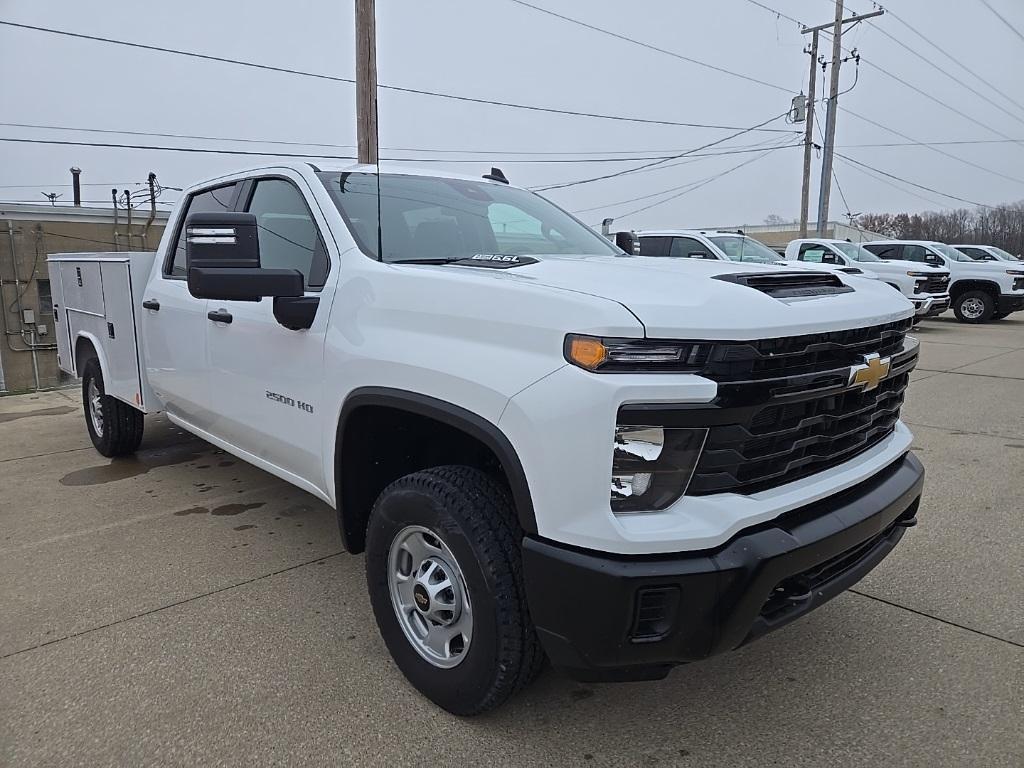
(921, 274)
(652, 466)
(1015, 271)
(633, 355)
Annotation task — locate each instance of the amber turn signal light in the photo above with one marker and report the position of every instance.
(587, 352)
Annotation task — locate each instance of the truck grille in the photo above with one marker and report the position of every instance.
(777, 444)
(785, 408)
(936, 284)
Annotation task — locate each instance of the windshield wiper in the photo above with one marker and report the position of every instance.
(439, 260)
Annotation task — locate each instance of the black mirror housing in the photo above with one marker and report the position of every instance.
(222, 240)
(243, 284)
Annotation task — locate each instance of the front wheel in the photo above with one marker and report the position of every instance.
(444, 572)
(114, 426)
(974, 307)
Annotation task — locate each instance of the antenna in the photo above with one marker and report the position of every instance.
(52, 197)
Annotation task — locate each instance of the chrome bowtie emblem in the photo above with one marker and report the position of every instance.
(870, 373)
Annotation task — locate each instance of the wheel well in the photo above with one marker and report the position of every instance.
(961, 287)
(84, 349)
(382, 438)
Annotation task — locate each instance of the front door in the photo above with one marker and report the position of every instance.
(266, 380)
(174, 322)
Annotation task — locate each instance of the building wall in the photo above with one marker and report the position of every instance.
(24, 283)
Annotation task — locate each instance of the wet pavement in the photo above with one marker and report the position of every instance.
(183, 607)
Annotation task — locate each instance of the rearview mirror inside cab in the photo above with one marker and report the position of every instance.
(222, 252)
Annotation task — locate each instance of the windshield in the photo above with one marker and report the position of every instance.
(425, 218)
(855, 252)
(950, 253)
(742, 248)
(1004, 255)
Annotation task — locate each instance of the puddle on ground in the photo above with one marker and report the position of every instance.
(57, 410)
(224, 510)
(131, 466)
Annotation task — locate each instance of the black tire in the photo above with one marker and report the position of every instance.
(1000, 315)
(971, 299)
(473, 516)
(120, 431)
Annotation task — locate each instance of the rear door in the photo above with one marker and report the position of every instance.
(175, 323)
(266, 380)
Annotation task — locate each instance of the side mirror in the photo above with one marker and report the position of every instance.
(222, 252)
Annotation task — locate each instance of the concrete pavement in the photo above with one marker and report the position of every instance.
(182, 607)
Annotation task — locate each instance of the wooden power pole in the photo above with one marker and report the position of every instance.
(831, 114)
(805, 192)
(366, 81)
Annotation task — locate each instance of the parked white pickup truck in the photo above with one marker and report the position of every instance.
(544, 446)
(927, 287)
(979, 290)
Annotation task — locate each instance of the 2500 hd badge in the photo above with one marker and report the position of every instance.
(285, 400)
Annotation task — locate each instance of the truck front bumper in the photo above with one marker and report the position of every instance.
(614, 617)
(930, 306)
(1010, 302)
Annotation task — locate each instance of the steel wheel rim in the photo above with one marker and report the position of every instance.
(429, 595)
(95, 408)
(973, 308)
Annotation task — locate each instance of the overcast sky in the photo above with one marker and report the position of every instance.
(496, 49)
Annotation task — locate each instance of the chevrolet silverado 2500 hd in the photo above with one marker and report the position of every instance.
(925, 285)
(979, 290)
(545, 446)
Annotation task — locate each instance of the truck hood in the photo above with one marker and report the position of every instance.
(909, 266)
(686, 298)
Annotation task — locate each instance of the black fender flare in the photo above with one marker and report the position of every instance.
(974, 284)
(453, 415)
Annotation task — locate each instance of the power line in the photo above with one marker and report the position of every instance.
(942, 50)
(1003, 19)
(913, 184)
(950, 75)
(695, 187)
(659, 192)
(396, 88)
(892, 184)
(651, 47)
(906, 84)
(199, 150)
(932, 147)
(656, 162)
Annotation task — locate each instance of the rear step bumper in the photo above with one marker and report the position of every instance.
(608, 617)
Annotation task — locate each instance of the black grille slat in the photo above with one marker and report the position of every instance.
(936, 284)
(785, 412)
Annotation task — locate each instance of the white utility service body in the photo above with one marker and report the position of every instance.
(925, 286)
(571, 377)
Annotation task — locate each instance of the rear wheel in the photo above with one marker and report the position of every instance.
(444, 572)
(974, 307)
(114, 426)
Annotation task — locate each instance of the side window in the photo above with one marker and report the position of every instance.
(916, 253)
(811, 252)
(655, 246)
(289, 238)
(690, 248)
(215, 200)
(884, 250)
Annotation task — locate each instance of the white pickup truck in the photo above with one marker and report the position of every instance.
(546, 447)
(926, 286)
(979, 290)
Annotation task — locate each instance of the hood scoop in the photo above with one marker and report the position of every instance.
(789, 285)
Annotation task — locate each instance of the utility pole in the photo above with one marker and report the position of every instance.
(366, 81)
(805, 193)
(833, 103)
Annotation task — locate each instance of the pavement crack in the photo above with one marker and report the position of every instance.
(939, 619)
(172, 605)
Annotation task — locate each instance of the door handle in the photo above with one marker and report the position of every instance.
(151, 304)
(219, 316)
